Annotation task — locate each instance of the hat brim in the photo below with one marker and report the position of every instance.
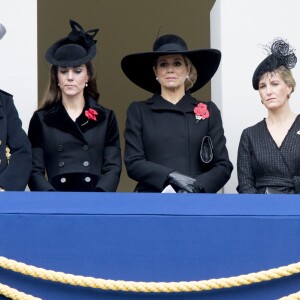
(50, 55)
(139, 67)
(269, 64)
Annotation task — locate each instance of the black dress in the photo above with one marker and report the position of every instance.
(261, 163)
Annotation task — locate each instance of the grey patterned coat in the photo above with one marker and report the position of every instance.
(262, 163)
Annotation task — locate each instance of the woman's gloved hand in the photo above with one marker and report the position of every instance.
(182, 182)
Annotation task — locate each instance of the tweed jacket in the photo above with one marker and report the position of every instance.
(13, 175)
(161, 137)
(261, 163)
(62, 147)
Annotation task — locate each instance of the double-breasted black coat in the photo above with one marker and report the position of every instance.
(161, 137)
(76, 156)
(13, 175)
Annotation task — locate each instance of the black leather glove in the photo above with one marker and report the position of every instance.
(181, 182)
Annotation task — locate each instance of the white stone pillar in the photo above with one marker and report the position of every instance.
(18, 55)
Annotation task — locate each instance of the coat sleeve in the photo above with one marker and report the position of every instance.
(37, 181)
(137, 166)
(220, 171)
(16, 174)
(112, 161)
(246, 180)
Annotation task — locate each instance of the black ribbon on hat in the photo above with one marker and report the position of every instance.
(85, 38)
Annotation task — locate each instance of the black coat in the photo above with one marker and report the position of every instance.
(77, 156)
(13, 176)
(261, 163)
(162, 137)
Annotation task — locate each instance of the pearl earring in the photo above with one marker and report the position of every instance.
(156, 78)
(86, 84)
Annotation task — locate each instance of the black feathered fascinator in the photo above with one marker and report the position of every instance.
(78, 48)
(280, 54)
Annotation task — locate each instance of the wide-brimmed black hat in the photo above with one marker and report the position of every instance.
(78, 48)
(280, 54)
(138, 67)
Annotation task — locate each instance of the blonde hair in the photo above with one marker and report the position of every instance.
(287, 76)
(192, 77)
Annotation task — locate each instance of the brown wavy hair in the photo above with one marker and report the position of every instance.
(53, 93)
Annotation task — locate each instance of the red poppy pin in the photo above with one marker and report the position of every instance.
(91, 114)
(201, 112)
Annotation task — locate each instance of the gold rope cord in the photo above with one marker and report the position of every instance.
(147, 287)
(295, 296)
(15, 294)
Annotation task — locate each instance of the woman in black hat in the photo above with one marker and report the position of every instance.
(15, 160)
(268, 154)
(75, 141)
(172, 138)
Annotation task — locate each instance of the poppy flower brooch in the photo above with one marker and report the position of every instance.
(201, 112)
(91, 114)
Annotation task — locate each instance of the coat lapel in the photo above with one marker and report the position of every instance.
(186, 104)
(58, 117)
(84, 123)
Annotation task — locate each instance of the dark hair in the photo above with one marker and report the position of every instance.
(53, 92)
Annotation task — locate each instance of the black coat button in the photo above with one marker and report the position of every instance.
(85, 147)
(60, 147)
(86, 163)
(61, 164)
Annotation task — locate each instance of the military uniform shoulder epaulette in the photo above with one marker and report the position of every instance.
(5, 93)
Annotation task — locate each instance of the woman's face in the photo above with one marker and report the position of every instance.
(171, 71)
(274, 92)
(72, 80)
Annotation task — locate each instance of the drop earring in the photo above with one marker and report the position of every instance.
(86, 84)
